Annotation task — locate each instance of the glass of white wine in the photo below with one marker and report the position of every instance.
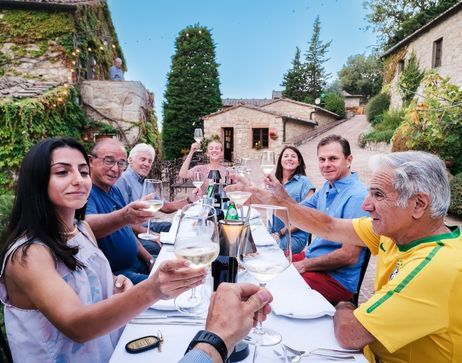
(198, 179)
(198, 135)
(152, 194)
(268, 162)
(196, 240)
(264, 259)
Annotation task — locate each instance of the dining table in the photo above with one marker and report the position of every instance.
(302, 316)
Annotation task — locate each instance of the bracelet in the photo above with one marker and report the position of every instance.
(204, 336)
(189, 200)
(151, 262)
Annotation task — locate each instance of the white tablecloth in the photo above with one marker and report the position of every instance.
(297, 333)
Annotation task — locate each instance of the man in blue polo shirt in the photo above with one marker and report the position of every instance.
(130, 184)
(328, 267)
(110, 217)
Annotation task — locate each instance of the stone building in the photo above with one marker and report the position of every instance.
(437, 45)
(252, 125)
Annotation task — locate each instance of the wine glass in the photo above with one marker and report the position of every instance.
(152, 194)
(198, 179)
(268, 163)
(198, 135)
(239, 198)
(261, 256)
(197, 241)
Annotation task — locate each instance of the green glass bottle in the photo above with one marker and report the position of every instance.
(231, 214)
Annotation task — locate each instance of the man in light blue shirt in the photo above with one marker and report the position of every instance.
(130, 184)
(331, 268)
(115, 72)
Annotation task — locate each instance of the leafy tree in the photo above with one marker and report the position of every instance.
(410, 78)
(294, 80)
(396, 19)
(315, 57)
(193, 89)
(335, 103)
(362, 75)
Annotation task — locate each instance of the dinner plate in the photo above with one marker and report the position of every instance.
(164, 305)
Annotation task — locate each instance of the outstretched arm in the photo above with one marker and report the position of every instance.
(184, 172)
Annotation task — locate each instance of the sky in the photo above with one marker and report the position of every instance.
(255, 39)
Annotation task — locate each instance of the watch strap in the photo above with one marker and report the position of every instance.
(204, 336)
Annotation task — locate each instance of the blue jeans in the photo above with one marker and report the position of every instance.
(136, 273)
(152, 247)
(160, 226)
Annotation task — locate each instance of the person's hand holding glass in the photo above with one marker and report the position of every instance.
(152, 194)
(261, 256)
(197, 241)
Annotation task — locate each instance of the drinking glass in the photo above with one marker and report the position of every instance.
(239, 198)
(268, 163)
(152, 194)
(261, 256)
(197, 241)
(198, 135)
(198, 179)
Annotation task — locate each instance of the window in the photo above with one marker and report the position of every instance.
(400, 66)
(437, 53)
(260, 138)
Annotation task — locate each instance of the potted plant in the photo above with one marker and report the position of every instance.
(273, 134)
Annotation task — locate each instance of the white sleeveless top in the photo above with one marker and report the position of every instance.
(31, 336)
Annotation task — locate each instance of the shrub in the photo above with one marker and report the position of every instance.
(378, 136)
(400, 139)
(335, 103)
(390, 120)
(456, 195)
(6, 203)
(377, 105)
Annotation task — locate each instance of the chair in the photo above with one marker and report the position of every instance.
(367, 257)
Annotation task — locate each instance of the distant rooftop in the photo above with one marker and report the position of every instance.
(229, 102)
(16, 87)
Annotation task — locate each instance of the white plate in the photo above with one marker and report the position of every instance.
(164, 305)
(310, 316)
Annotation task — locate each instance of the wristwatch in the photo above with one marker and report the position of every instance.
(151, 262)
(204, 336)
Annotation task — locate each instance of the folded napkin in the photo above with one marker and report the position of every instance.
(167, 238)
(300, 303)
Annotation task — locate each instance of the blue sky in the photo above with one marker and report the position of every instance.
(255, 39)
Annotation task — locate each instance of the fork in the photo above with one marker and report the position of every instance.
(334, 354)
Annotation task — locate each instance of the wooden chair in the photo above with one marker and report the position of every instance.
(367, 257)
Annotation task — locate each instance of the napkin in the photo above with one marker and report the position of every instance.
(300, 303)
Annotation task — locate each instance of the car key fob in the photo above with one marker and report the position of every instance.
(142, 344)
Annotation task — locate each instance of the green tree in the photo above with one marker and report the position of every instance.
(193, 89)
(334, 102)
(410, 78)
(294, 80)
(315, 57)
(394, 20)
(362, 75)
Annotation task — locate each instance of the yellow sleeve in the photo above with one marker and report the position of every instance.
(363, 228)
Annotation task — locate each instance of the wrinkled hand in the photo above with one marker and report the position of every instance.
(234, 309)
(137, 212)
(174, 277)
(121, 284)
(194, 196)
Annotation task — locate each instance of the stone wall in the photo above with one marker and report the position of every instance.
(294, 129)
(301, 111)
(451, 63)
(120, 104)
(242, 120)
(47, 67)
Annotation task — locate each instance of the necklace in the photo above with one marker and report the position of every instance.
(71, 232)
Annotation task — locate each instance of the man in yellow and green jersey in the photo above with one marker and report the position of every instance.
(415, 314)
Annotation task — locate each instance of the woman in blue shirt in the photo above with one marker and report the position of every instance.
(290, 171)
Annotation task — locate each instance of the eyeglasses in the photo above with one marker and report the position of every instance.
(110, 162)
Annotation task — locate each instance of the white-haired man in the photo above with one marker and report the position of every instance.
(414, 314)
(116, 72)
(140, 160)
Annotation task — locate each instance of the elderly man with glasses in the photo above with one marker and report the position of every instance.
(110, 217)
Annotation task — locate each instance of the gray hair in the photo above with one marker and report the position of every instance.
(139, 148)
(417, 172)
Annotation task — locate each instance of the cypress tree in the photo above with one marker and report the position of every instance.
(193, 89)
(315, 57)
(294, 80)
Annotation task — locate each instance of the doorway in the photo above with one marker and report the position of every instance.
(228, 151)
